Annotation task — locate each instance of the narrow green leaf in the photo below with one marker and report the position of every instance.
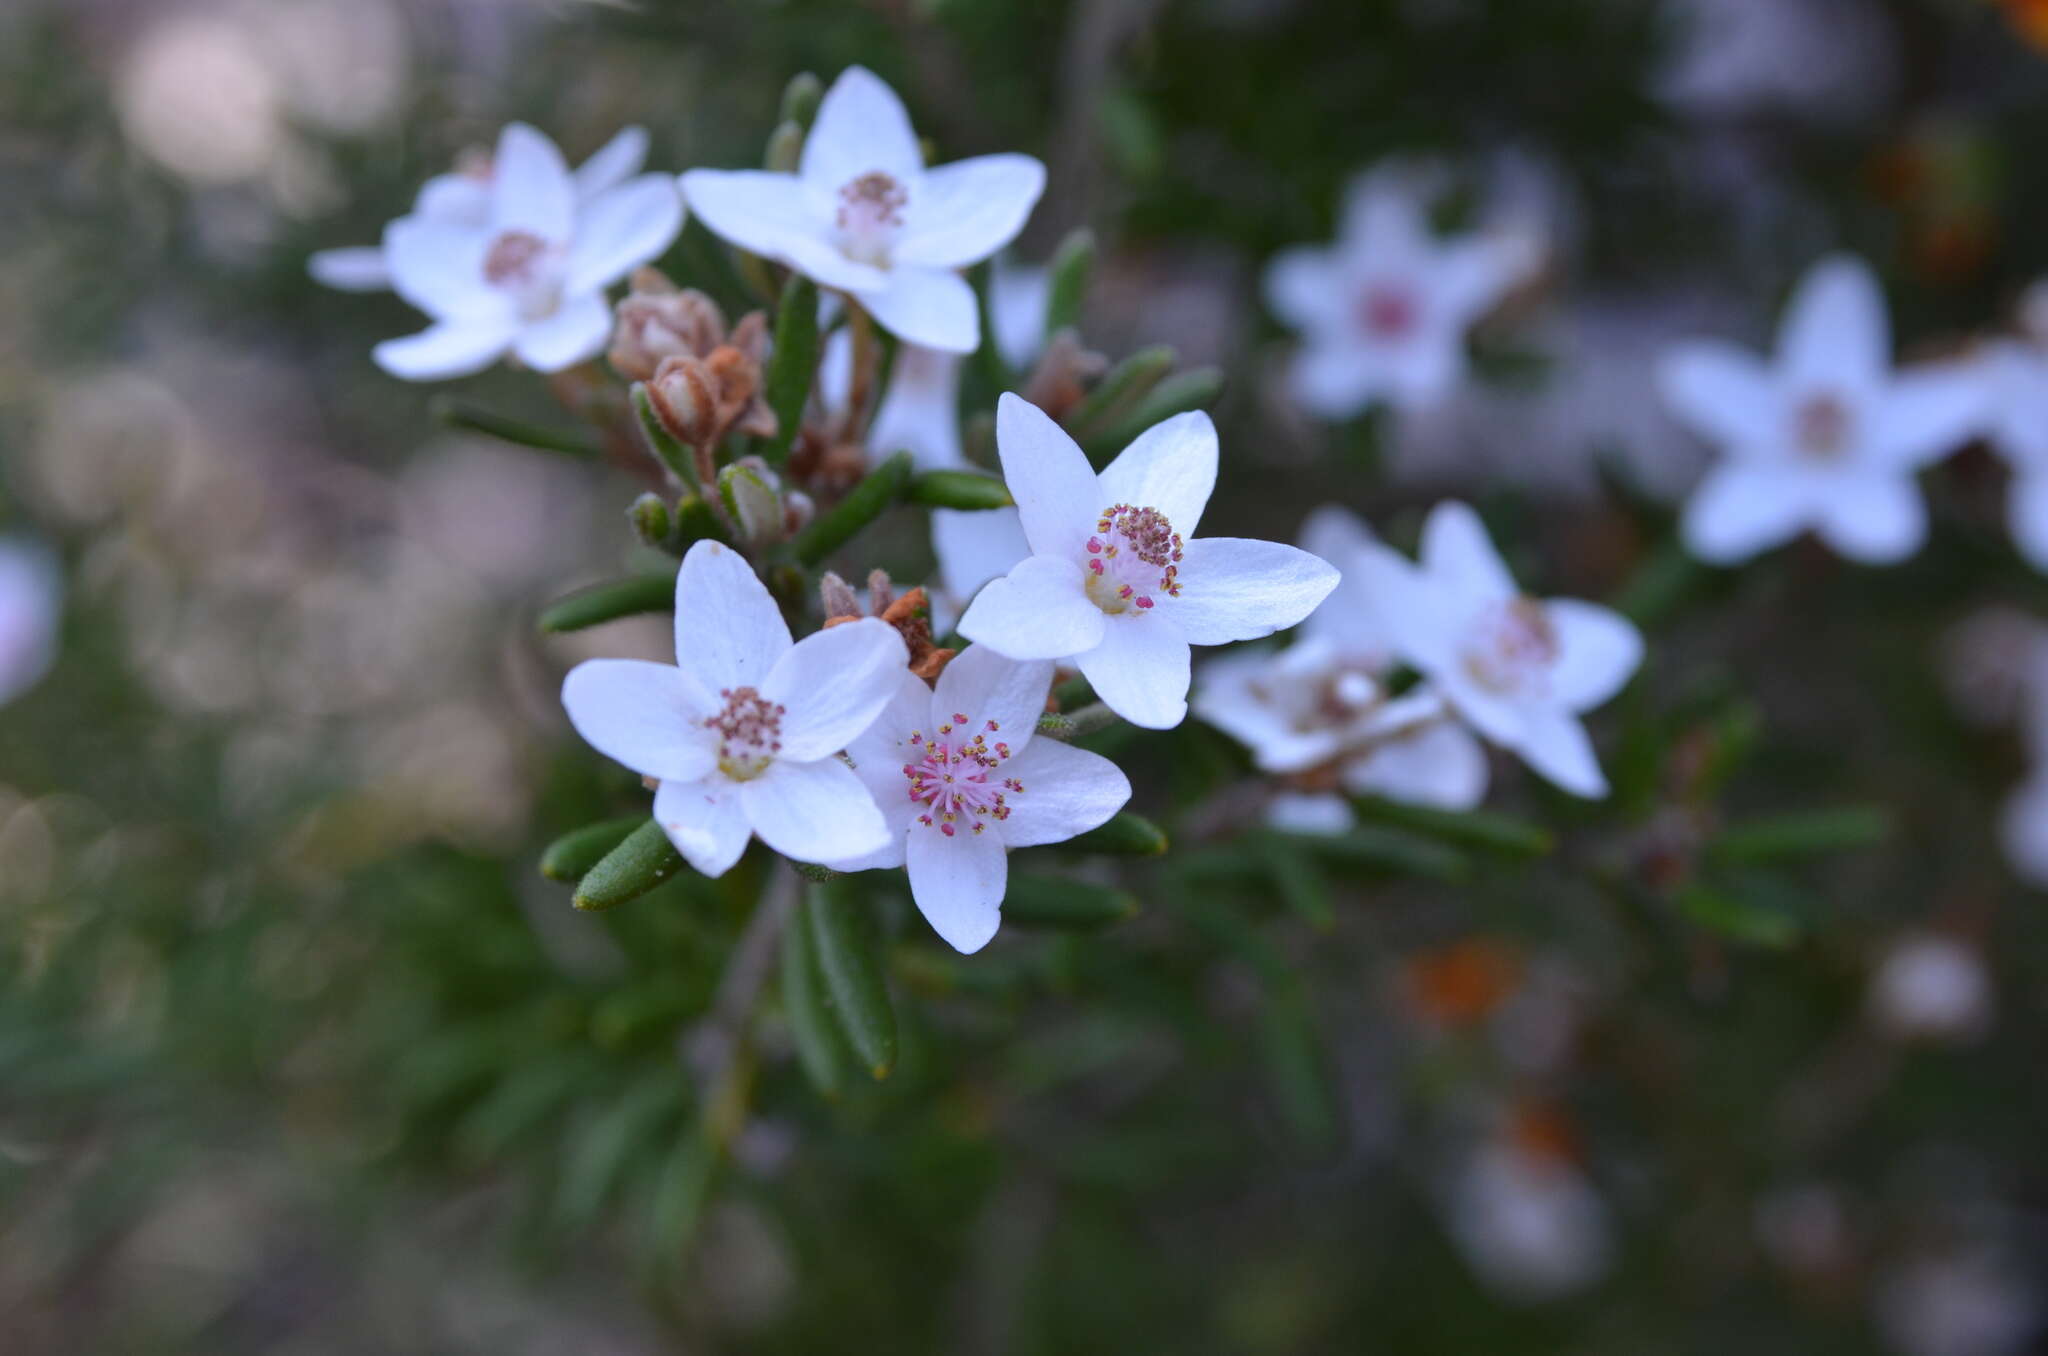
(842, 936)
(1473, 828)
(695, 522)
(1072, 265)
(868, 501)
(667, 448)
(570, 857)
(1301, 886)
(819, 1046)
(959, 490)
(1661, 584)
(1736, 918)
(679, 1197)
(1123, 385)
(644, 860)
(792, 365)
(1802, 835)
(801, 97)
(1058, 902)
(1126, 835)
(607, 602)
(1073, 693)
(599, 1154)
(1299, 1068)
(1091, 719)
(1177, 394)
(1389, 850)
(785, 148)
(452, 412)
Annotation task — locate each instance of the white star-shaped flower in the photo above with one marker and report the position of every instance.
(1383, 313)
(1519, 669)
(463, 198)
(1826, 436)
(744, 732)
(1117, 582)
(31, 593)
(961, 781)
(529, 278)
(2015, 378)
(863, 215)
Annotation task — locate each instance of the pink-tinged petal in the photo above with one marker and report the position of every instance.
(1039, 610)
(1239, 588)
(1835, 332)
(1598, 650)
(928, 307)
(1740, 509)
(453, 348)
(650, 717)
(1309, 812)
(612, 164)
(1928, 413)
(1723, 393)
(861, 127)
(729, 633)
(1440, 765)
(440, 269)
(1873, 518)
(966, 211)
(975, 546)
(705, 821)
(1170, 467)
(1305, 289)
(530, 186)
(833, 684)
(1140, 670)
(621, 229)
(1049, 477)
(984, 686)
(1337, 380)
(958, 883)
(879, 752)
(579, 329)
(359, 268)
(1470, 276)
(1460, 556)
(1409, 608)
(455, 200)
(2026, 507)
(814, 812)
(770, 215)
(1067, 791)
(1554, 743)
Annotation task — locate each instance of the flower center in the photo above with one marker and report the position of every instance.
(1511, 648)
(529, 269)
(870, 216)
(959, 780)
(749, 730)
(1133, 557)
(1821, 427)
(1388, 313)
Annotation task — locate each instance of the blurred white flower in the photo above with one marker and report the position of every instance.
(1309, 812)
(1828, 60)
(530, 278)
(1519, 669)
(1994, 662)
(744, 731)
(1383, 313)
(1963, 1305)
(864, 216)
(1826, 435)
(1529, 1223)
(920, 411)
(31, 599)
(196, 93)
(1115, 581)
(462, 197)
(1932, 987)
(973, 547)
(2015, 376)
(961, 780)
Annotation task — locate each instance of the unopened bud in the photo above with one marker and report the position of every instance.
(651, 519)
(685, 400)
(656, 321)
(785, 148)
(838, 596)
(751, 494)
(801, 97)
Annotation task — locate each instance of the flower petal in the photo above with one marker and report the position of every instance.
(1305, 288)
(1598, 651)
(770, 215)
(983, 685)
(861, 127)
(1170, 467)
(729, 633)
(958, 883)
(440, 269)
(966, 211)
(1049, 476)
(1460, 556)
(2026, 508)
(1039, 610)
(1239, 588)
(456, 200)
(705, 821)
(1408, 608)
(1740, 509)
(1873, 518)
(814, 812)
(1336, 380)
(612, 163)
(833, 684)
(650, 717)
(1469, 276)
(1835, 332)
(1927, 414)
(578, 329)
(621, 229)
(1140, 670)
(1309, 812)
(975, 546)
(1440, 765)
(1336, 534)
(1067, 791)
(1554, 743)
(920, 414)
(359, 268)
(928, 307)
(530, 186)
(452, 348)
(1723, 393)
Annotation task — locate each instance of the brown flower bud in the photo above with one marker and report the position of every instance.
(685, 398)
(656, 321)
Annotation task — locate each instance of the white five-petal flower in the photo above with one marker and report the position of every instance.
(744, 732)
(961, 781)
(1383, 313)
(1826, 436)
(1519, 669)
(864, 216)
(31, 592)
(2015, 375)
(1117, 582)
(529, 278)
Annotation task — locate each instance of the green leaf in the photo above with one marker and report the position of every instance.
(785, 148)
(607, 602)
(601, 1151)
(801, 97)
(452, 412)
(1299, 1068)
(842, 936)
(959, 490)
(1058, 902)
(1661, 584)
(751, 502)
(1801, 835)
(1122, 386)
(819, 1046)
(1389, 850)
(867, 502)
(678, 1200)
(1072, 265)
(667, 448)
(1177, 394)
(1737, 918)
(644, 860)
(1473, 828)
(792, 365)
(695, 522)
(570, 857)
(1301, 886)
(1126, 835)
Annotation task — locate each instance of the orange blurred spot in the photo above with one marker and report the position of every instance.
(2029, 19)
(1543, 1132)
(1460, 984)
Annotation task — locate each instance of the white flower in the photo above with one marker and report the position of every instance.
(1018, 297)
(1826, 436)
(1116, 581)
(530, 277)
(463, 198)
(744, 731)
(961, 781)
(1517, 668)
(973, 547)
(1932, 986)
(863, 215)
(31, 594)
(1383, 313)
(919, 413)
(2015, 376)
(1530, 1224)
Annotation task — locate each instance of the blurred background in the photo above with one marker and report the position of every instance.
(299, 1053)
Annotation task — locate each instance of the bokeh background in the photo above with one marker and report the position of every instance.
(298, 1052)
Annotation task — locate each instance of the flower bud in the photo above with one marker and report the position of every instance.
(650, 519)
(656, 321)
(685, 400)
(753, 500)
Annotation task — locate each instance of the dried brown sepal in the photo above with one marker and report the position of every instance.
(1064, 372)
